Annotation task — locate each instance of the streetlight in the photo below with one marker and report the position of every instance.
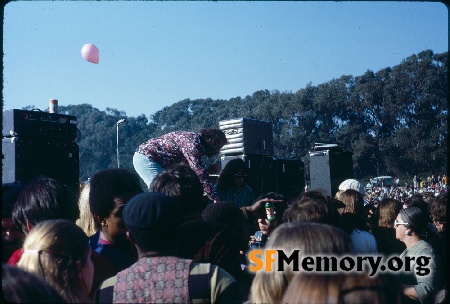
(117, 132)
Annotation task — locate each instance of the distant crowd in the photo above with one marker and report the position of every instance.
(429, 188)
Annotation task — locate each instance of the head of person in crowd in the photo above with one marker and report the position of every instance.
(44, 198)
(416, 201)
(313, 206)
(438, 212)
(58, 252)
(110, 190)
(153, 221)
(388, 209)
(86, 220)
(12, 234)
(20, 286)
(371, 215)
(311, 239)
(230, 214)
(342, 288)
(411, 225)
(181, 182)
(231, 184)
(266, 226)
(212, 140)
(353, 215)
(233, 175)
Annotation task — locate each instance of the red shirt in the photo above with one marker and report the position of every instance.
(15, 257)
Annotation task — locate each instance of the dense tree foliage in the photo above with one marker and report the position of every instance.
(394, 120)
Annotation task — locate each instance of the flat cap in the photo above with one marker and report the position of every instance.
(152, 210)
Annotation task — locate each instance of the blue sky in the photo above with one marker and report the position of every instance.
(154, 54)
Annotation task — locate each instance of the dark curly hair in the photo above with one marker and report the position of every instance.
(181, 182)
(212, 139)
(110, 186)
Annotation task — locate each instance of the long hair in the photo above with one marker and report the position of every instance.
(51, 251)
(226, 176)
(310, 238)
(353, 215)
(86, 220)
(388, 209)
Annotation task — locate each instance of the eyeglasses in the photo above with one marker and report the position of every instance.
(396, 223)
(436, 220)
(240, 175)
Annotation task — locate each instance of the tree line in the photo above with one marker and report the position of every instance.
(394, 121)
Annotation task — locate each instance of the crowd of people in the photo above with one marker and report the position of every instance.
(184, 240)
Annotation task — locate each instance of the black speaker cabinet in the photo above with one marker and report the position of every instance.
(37, 124)
(290, 176)
(247, 136)
(25, 159)
(328, 169)
(261, 176)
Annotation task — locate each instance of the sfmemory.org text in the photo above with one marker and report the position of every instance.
(276, 260)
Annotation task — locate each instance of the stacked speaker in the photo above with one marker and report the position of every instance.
(252, 141)
(38, 143)
(329, 167)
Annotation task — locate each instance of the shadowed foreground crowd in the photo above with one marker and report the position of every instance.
(170, 244)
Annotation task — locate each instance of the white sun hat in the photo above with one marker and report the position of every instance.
(352, 184)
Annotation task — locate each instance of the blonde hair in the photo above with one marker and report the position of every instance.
(51, 251)
(86, 220)
(310, 238)
(342, 288)
(353, 215)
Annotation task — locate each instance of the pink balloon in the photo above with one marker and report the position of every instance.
(90, 53)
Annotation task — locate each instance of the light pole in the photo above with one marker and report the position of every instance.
(117, 132)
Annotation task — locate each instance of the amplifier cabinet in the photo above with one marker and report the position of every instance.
(26, 159)
(36, 124)
(328, 169)
(247, 136)
(261, 176)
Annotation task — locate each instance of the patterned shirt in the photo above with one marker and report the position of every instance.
(177, 147)
(167, 279)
